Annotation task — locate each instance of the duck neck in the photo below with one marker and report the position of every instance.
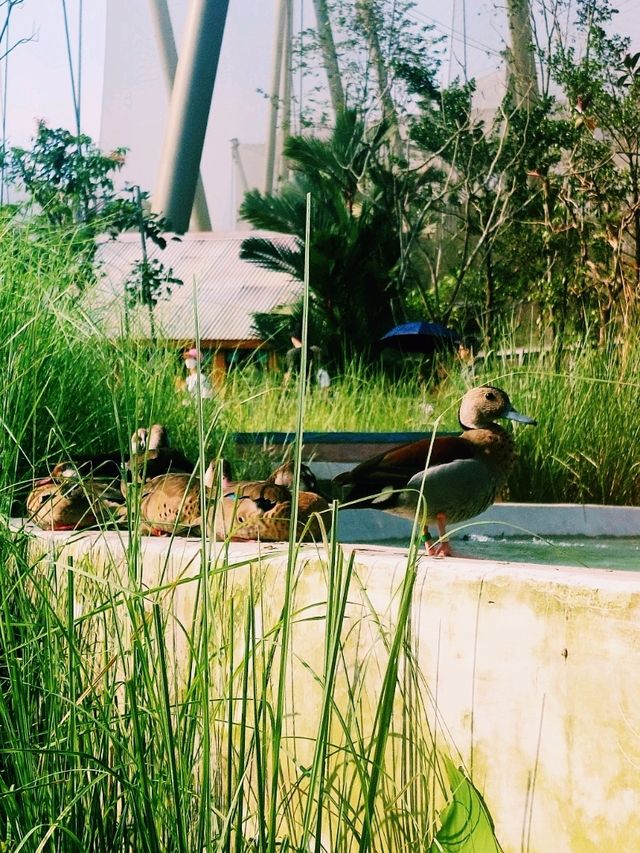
(495, 445)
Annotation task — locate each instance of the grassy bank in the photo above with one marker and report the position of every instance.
(66, 389)
(111, 742)
(103, 746)
(107, 743)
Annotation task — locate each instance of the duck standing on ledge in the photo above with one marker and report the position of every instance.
(458, 476)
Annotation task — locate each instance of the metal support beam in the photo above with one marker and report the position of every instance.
(286, 85)
(272, 131)
(169, 57)
(189, 111)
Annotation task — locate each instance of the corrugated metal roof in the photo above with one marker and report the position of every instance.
(227, 290)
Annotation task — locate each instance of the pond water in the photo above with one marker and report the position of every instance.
(592, 553)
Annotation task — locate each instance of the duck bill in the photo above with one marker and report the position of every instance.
(514, 415)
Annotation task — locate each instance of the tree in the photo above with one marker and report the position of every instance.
(539, 203)
(370, 42)
(355, 246)
(69, 182)
(599, 185)
(473, 193)
(69, 186)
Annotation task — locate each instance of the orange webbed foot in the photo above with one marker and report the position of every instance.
(442, 547)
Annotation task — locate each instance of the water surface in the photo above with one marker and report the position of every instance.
(593, 553)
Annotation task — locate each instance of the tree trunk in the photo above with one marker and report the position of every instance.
(521, 65)
(371, 26)
(329, 55)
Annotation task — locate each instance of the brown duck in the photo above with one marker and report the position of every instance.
(66, 503)
(170, 504)
(459, 476)
(152, 456)
(252, 510)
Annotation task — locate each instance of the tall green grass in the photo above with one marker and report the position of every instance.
(107, 735)
(156, 709)
(106, 742)
(582, 451)
(68, 389)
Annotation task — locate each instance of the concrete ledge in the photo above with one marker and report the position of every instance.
(533, 671)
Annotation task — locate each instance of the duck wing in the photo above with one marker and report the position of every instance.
(170, 503)
(393, 469)
(265, 494)
(459, 490)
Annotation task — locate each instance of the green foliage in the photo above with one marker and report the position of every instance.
(110, 743)
(97, 751)
(355, 235)
(106, 745)
(69, 184)
(149, 281)
(66, 176)
(466, 825)
(407, 46)
(600, 180)
(539, 202)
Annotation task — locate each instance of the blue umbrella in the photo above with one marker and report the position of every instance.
(419, 337)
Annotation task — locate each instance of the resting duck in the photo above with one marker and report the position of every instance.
(461, 476)
(152, 456)
(251, 510)
(240, 511)
(65, 503)
(170, 503)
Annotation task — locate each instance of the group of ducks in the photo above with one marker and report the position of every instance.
(452, 477)
(158, 488)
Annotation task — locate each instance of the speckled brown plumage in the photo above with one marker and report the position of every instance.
(170, 503)
(73, 505)
(254, 510)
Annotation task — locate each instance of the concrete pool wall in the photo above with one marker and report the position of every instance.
(534, 670)
(503, 519)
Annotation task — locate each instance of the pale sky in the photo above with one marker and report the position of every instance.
(39, 84)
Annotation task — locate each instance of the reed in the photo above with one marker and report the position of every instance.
(111, 740)
(156, 712)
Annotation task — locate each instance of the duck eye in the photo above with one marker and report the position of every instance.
(490, 395)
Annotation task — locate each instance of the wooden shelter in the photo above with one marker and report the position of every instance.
(218, 287)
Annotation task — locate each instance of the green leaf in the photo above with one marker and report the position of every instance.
(465, 823)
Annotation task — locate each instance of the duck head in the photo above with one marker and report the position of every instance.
(480, 407)
(212, 474)
(139, 441)
(149, 439)
(284, 476)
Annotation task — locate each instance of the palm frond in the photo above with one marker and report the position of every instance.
(273, 255)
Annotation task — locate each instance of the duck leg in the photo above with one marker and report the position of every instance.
(442, 548)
